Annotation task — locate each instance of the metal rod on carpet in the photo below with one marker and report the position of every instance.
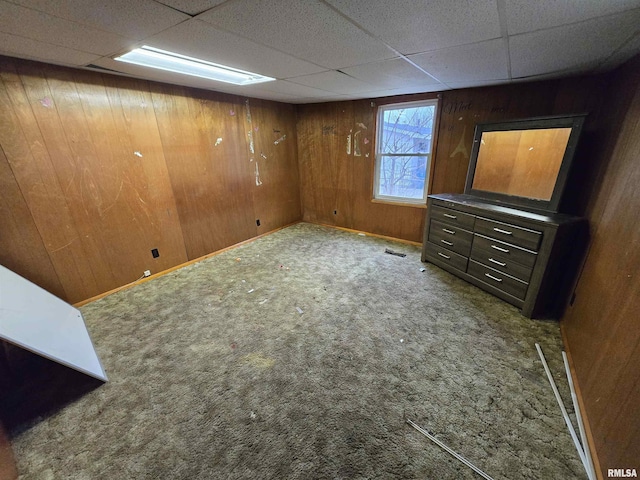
(444, 447)
(576, 407)
(572, 431)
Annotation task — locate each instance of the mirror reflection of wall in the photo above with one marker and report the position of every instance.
(522, 163)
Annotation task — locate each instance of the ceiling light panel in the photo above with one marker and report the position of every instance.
(174, 62)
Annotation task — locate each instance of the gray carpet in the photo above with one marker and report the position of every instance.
(299, 356)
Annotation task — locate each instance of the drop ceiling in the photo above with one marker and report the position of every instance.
(325, 50)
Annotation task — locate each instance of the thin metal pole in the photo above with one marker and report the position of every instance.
(564, 410)
(576, 407)
(444, 447)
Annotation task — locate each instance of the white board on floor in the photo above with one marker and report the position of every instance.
(40, 322)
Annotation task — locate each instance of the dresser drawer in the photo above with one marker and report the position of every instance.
(502, 281)
(504, 251)
(450, 237)
(453, 217)
(522, 237)
(502, 264)
(436, 252)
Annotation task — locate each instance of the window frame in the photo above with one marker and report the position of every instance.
(418, 202)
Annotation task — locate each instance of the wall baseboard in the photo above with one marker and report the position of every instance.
(368, 234)
(177, 267)
(585, 419)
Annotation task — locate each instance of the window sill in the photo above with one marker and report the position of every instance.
(399, 204)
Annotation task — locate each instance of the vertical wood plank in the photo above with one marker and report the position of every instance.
(21, 247)
(23, 141)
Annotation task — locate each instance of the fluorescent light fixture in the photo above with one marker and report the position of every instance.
(174, 62)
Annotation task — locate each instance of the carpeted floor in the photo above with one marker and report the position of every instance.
(299, 356)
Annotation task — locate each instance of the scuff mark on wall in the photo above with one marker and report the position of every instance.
(361, 126)
(461, 148)
(258, 181)
(356, 144)
(250, 132)
(248, 111)
(263, 155)
(281, 139)
(328, 130)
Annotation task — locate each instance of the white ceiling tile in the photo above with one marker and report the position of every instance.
(626, 52)
(390, 74)
(192, 7)
(202, 40)
(334, 98)
(306, 29)
(21, 47)
(333, 81)
(571, 46)
(142, 18)
(527, 16)
(412, 26)
(390, 92)
(24, 22)
(294, 89)
(476, 83)
(466, 63)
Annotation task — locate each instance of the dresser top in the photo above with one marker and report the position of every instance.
(464, 200)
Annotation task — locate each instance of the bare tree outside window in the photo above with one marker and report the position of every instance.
(405, 134)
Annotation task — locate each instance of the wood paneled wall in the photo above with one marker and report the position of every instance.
(334, 181)
(602, 327)
(97, 170)
(336, 186)
(8, 469)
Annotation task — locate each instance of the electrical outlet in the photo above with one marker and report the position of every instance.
(147, 273)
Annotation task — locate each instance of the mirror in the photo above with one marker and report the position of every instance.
(524, 162)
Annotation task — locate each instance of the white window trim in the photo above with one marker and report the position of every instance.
(378, 154)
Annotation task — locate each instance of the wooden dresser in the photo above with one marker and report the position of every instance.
(527, 259)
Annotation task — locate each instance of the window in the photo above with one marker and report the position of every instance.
(403, 151)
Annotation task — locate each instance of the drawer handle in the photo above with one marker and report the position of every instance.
(448, 215)
(450, 232)
(444, 256)
(447, 243)
(492, 260)
(500, 249)
(499, 230)
(493, 278)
